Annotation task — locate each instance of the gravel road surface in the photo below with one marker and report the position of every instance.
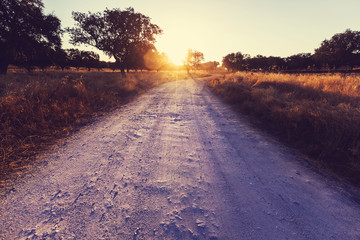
(175, 164)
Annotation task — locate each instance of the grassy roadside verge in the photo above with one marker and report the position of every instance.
(38, 108)
(318, 114)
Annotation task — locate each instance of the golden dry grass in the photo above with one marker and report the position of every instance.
(37, 108)
(318, 113)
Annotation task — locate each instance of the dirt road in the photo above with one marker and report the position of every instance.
(175, 164)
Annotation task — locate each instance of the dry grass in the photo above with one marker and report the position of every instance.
(320, 114)
(37, 108)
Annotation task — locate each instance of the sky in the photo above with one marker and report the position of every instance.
(219, 27)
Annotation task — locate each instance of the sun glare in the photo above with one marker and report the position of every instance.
(177, 59)
(176, 56)
(174, 50)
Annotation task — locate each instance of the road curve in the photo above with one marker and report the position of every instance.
(175, 164)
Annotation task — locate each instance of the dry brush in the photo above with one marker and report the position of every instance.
(38, 108)
(317, 113)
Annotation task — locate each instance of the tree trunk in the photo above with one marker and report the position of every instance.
(123, 71)
(118, 64)
(3, 67)
(6, 56)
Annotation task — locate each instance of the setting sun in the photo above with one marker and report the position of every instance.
(176, 56)
(178, 40)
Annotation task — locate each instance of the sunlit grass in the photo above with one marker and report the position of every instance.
(320, 114)
(38, 108)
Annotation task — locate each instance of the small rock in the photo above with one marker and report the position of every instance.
(183, 197)
(200, 223)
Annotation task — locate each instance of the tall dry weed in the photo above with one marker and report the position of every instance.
(37, 108)
(318, 113)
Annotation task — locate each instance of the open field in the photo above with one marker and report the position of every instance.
(319, 114)
(37, 108)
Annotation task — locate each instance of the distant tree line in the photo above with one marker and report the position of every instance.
(75, 58)
(29, 38)
(194, 61)
(62, 58)
(26, 32)
(341, 52)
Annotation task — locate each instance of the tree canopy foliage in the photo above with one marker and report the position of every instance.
(120, 34)
(209, 66)
(341, 51)
(25, 31)
(235, 61)
(244, 62)
(194, 59)
(154, 60)
(79, 58)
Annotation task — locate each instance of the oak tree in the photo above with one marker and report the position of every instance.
(343, 49)
(25, 31)
(194, 59)
(119, 34)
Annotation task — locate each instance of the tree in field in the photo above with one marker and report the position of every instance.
(153, 60)
(119, 34)
(90, 59)
(79, 58)
(209, 66)
(136, 55)
(235, 61)
(194, 59)
(74, 58)
(299, 61)
(24, 29)
(275, 63)
(229, 62)
(343, 49)
(157, 61)
(42, 57)
(258, 63)
(39, 56)
(60, 58)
